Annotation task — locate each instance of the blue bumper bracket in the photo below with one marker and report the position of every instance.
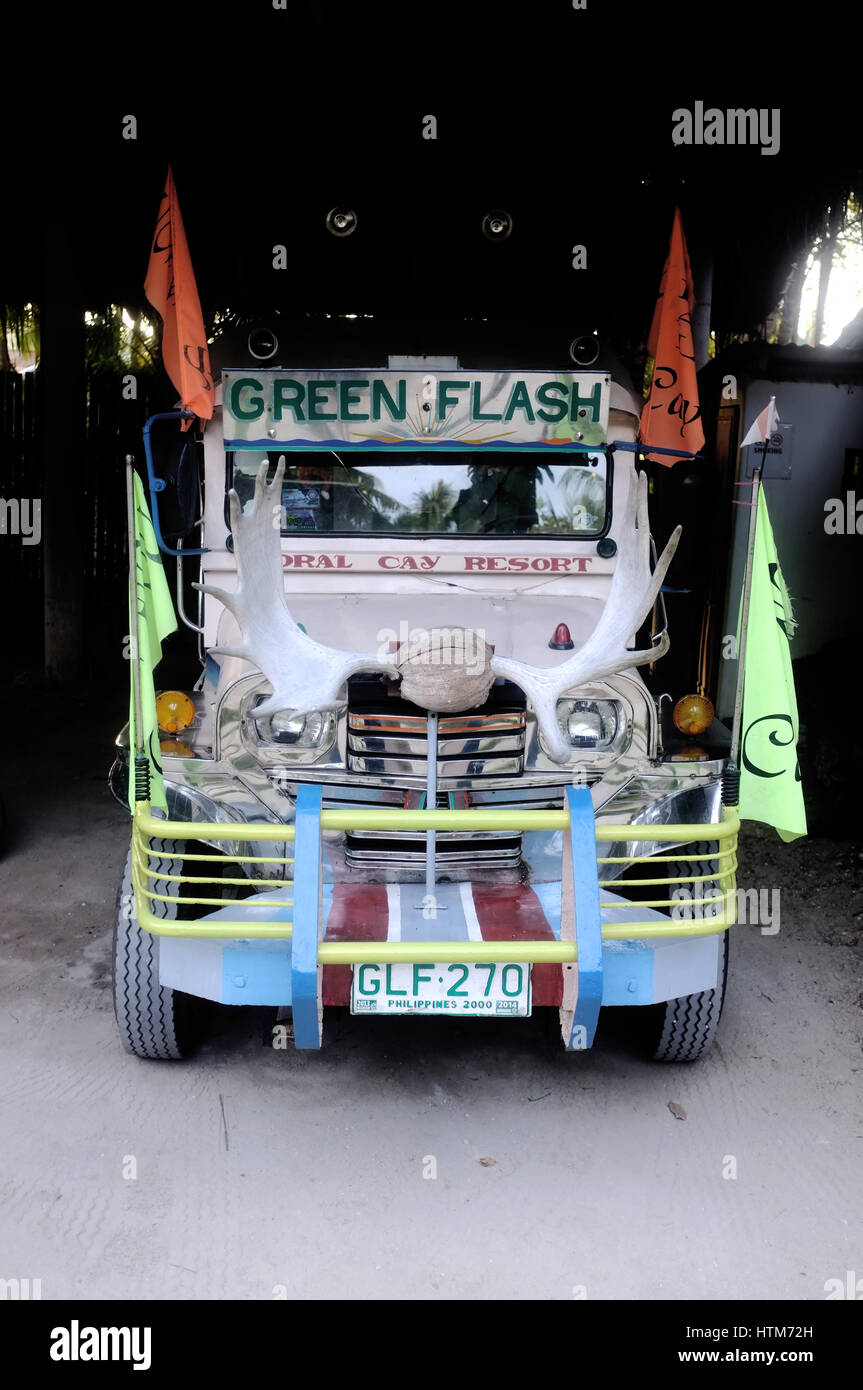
(307, 999)
(588, 921)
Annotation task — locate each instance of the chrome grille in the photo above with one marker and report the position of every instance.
(474, 745)
(479, 746)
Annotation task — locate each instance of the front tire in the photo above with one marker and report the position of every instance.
(682, 1030)
(155, 1022)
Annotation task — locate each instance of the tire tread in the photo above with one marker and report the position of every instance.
(690, 1023)
(146, 1011)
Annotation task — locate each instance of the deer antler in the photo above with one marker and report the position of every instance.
(304, 674)
(631, 596)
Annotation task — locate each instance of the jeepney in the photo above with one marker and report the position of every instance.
(420, 771)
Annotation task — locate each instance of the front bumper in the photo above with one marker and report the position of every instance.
(602, 947)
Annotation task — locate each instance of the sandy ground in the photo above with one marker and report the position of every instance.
(264, 1173)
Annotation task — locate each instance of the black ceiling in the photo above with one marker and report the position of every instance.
(562, 118)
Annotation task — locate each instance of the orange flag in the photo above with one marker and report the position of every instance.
(170, 287)
(671, 418)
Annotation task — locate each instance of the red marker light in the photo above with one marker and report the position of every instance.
(561, 641)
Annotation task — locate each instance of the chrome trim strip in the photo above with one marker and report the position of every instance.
(453, 836)
(456, 724)
(382, 765)
(447, 747)
(416, 860)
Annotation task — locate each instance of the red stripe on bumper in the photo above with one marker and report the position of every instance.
(359, 912)
(505, 912)
(514, 913)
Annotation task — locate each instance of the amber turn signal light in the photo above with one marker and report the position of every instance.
(174, 711)
(693, 714)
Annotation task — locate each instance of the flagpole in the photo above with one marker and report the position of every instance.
(744, 616)
(142, 763)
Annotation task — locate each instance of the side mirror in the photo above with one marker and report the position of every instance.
(173, 478)
(176, 464)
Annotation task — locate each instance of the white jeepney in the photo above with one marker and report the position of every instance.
(420, 771)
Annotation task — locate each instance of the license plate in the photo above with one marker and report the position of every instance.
(489, 989)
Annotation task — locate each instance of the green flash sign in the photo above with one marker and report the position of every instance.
(412, 409)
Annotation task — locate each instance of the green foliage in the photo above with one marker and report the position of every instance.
(117, 341)
(114, 340)
(19, 337)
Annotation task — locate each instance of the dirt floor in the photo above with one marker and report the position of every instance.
(252, 1173)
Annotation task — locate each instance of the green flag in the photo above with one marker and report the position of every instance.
(770, 788)
(156, 620)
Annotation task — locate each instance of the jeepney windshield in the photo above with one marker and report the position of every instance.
(422, 493)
